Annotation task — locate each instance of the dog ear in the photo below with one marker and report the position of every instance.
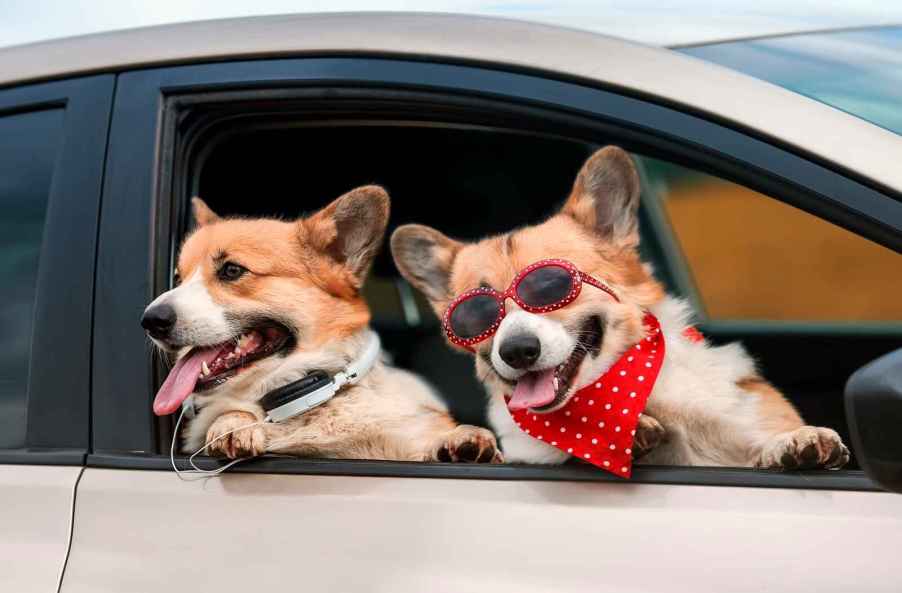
(424, 257)
(203, 215)
(350, 229)
(605, 196)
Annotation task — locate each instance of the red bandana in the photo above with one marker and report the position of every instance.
(599, 422)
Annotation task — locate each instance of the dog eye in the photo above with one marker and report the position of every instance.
(229, 272)
(176, 278)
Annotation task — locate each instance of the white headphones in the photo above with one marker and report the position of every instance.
(318, 387)
(314, 389)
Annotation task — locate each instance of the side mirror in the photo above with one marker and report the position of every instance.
(874, 412)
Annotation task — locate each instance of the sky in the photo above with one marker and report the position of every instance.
(649, 21)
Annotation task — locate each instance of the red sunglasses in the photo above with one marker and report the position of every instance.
(544, 286)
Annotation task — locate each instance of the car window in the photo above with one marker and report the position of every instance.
(857, 71)
(28, 147)
(753, 257)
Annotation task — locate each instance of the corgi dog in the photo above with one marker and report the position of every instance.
(709, 406)
(259, 304)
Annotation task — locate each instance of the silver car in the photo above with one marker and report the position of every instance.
(776, 211)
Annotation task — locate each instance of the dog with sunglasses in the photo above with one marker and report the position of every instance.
(553, 310)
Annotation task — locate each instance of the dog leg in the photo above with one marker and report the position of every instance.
(804, 448)
(466, 444)
(247, 442)
(649, 434)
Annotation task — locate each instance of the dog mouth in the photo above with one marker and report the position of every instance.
(545, 390)
(206, 367)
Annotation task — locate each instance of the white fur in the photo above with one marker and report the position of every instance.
(199, 319)
(555, 342)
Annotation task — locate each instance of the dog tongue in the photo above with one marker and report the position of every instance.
(182, 379)
(533, 390)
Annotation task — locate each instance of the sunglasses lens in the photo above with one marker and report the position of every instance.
(545, 286)
(474, 316)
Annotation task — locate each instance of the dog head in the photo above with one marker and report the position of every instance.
(543, 359)
(253, 294)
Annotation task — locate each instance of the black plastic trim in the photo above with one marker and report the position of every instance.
(43, 456)
(60, 364)
(572, 472)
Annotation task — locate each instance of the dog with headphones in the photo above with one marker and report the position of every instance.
(273, 347)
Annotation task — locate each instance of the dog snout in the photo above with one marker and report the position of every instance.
(159, 320)
(520, 351)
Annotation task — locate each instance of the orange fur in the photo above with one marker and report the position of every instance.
(282, 267)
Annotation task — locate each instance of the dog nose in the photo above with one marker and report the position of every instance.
(158, 320)
(520, 351)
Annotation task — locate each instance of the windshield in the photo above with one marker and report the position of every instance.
(857, 71)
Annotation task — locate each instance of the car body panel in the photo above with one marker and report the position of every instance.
(149, 531)
(667, 76)
(36, 516)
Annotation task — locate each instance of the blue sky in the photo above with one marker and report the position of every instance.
(649, 21)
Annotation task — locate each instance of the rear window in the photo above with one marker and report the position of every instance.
(28, 148)
(857, 71)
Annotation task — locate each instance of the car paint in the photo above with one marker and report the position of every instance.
(148, 531)
(36, 515)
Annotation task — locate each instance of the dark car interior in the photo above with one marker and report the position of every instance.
(470, 182)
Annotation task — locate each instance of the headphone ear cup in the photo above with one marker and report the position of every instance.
(313, 381)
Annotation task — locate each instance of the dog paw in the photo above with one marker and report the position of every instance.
(467, 444)
(649, 434)
(243, 442)
(807, 447)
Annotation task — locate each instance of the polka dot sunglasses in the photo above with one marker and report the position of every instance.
(544, 286)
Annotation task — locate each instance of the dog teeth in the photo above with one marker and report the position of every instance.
(556, 383)
(206, 368)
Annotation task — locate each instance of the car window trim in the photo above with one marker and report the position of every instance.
(58, 399)
(632, 122)
(854, 480)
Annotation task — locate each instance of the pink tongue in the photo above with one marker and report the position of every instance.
(182, 379)
(533, 390)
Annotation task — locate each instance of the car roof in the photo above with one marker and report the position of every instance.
(686, 82)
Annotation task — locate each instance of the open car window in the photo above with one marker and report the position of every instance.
(250, 143)
(751, 257)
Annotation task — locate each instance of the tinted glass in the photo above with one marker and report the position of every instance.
(753, 257)
(544, 286)
(857, 71)
(28, 149)
(474, 315)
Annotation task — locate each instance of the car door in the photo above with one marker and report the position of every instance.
(52, 144)
(374, 525)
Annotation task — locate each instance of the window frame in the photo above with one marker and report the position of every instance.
(140, 174)
(58, 414)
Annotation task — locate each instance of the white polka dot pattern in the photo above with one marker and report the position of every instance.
(609, 429)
